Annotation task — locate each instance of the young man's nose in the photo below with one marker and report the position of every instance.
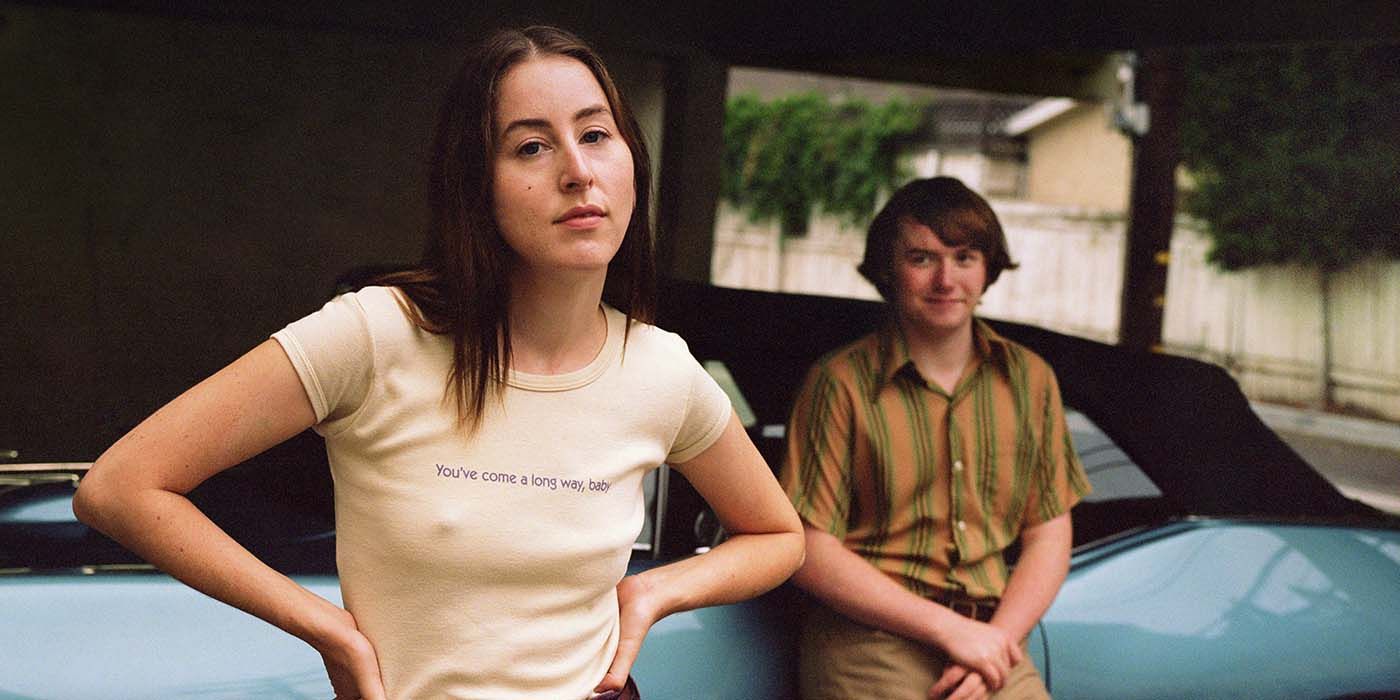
(940, 274)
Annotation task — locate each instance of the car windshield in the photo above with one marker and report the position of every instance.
(1110, 470)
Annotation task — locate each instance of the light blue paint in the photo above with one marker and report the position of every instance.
(1230, 609)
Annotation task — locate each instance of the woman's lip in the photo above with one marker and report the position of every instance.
(586, 221)
(584, 212)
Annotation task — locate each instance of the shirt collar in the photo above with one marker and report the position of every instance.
(894, 351)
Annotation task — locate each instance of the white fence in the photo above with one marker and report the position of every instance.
(1263, 325)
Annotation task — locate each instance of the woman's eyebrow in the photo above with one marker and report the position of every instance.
(591, 111)
(539, 123)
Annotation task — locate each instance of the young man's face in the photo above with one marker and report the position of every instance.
(935, 286)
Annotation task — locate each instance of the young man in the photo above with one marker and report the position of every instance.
(916, 456)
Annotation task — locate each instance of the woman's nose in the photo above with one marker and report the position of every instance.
(577, 173)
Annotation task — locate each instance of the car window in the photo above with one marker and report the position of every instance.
(48, 508)
(28, 496)
(653, 492)
(1112, 473)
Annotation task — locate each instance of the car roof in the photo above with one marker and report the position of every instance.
(1185, 423)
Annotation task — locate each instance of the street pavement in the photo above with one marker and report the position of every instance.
(1361, 457)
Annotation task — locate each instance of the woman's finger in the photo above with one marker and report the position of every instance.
(616, 677)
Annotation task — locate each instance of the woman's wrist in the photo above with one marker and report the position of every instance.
(642, 595)
(327, 627)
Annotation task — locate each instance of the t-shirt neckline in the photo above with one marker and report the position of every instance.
(585, 375)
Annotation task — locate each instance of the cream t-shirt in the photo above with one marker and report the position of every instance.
(485, 566)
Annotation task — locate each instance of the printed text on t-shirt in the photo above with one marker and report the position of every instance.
(522, 480)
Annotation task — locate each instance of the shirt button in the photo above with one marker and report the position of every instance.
(957, 465)
(962, 525)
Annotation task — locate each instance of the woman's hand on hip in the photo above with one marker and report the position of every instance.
(637, 612)
(351, 663)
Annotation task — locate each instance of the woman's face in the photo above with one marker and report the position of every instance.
(562, 185)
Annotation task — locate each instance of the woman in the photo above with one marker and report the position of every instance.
(487, 417)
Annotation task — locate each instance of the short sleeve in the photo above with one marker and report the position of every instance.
(816, 471)
(1060, 479)
(707, 412)
(333, 354)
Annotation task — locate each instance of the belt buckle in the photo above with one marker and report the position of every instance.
(966, 608)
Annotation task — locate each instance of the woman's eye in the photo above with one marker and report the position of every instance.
(532, 148)
(594, 136)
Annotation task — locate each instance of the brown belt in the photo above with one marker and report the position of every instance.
(979, 610)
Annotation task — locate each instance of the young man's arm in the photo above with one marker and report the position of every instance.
(1035, 581)
(853, 587)
(1039, 572)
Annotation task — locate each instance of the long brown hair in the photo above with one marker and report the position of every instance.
(461, 286)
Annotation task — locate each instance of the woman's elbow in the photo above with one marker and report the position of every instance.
(98, 497)
(794, 547)
(801, 555)
(796, 552)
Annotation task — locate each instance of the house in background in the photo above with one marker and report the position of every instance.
(966, 141)
(1073, 155)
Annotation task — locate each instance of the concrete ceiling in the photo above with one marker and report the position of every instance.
(1049, 48)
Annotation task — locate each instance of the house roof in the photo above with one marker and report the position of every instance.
(1036, 114)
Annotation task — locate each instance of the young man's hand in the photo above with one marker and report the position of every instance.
(958, 683)
(981, 648)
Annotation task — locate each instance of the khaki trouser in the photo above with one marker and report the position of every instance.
(844, 660)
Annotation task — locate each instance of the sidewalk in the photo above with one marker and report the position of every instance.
(1361, 457)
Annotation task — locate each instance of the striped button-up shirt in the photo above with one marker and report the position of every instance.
(927, 486)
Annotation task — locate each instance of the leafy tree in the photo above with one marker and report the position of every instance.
(1295, 152)
(787, 157)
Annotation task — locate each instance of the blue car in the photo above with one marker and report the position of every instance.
(1210, 562)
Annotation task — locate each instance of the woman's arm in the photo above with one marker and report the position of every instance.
(135, 494)
(763, 549)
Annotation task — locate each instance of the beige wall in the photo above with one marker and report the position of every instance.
(1078, 159)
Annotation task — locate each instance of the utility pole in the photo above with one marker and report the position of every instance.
(1160, 79)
